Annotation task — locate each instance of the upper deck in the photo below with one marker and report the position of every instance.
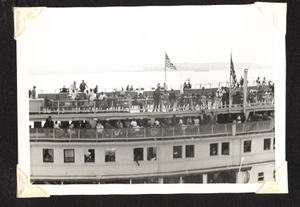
(130, 105)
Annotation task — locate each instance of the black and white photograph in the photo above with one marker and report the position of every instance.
(167, 99)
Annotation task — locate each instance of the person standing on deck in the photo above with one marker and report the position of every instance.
(165, 87)
(96, 89)
(241, 81)
(73, 87)
(83, 86)
(258, 83)
(33, 93)
(189, 84)
(264, 81)
(172, 99)
(156, 98)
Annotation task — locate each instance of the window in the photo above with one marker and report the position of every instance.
(69, 155)
(214, 149)
(247, 146)
(225, 148)
(138, 154)
(274, 143)
(151, 153)
(260, 176)
(177, 152)
(189, 150)
(110, 155)
(47, 155)
(267, 144)
(89, 155)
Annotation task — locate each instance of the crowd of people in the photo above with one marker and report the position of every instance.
(146, 127)
(161, 100)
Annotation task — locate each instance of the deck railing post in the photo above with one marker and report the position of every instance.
(129, 103)
(76, 106)
(58, 107)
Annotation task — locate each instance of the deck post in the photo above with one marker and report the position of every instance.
(94, 107)
(160, 180)
(204, 178)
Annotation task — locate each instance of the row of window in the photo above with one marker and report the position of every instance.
(138, 153)
(89, 155)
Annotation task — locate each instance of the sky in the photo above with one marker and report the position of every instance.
(127, 37)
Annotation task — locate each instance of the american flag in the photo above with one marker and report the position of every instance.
(169, 64)
(232, 72)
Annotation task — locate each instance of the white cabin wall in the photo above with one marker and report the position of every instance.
(267, 169)
(125, 165)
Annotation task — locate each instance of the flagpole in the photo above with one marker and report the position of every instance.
(230, 81)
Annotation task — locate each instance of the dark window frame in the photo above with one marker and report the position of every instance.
(92, 159)
(249, 147)
(179, 156)
(71, 161)
(138, 158)
(52, 156)
(260, 176)
(111, 158)
(265, 140)
(193, 151)
(149, 156)
(228, 147)
(211, 147)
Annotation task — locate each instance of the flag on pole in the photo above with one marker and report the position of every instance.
(232, 71)
(168, 63)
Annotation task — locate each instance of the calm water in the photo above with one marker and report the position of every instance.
(110, 81)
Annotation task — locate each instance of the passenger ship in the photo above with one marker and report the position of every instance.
(173, 152)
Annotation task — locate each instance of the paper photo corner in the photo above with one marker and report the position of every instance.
(25, 189)
(21, 14)
(278, 10)
(279, 186)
